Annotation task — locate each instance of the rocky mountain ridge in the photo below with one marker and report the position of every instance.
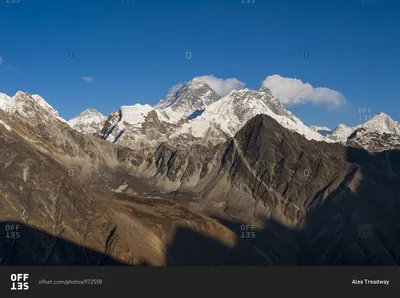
(307, 200)
(216, 117)
(196, 113)
(370, 135)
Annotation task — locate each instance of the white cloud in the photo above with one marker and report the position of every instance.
(1, 60)
(87, 79)
(221, 86)
(294, 91)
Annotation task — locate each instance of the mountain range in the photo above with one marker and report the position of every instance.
(196, 111)
(197, 179)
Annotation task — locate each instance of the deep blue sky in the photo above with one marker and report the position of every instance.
(136, 52)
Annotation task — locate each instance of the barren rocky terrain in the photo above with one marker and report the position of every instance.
(267, 196)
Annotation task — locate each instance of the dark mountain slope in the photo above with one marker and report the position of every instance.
(311, 197)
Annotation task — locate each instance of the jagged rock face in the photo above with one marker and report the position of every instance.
(229, 114)
(29, 108)
(25, 104)
(195, 95)
(141, 126)
(381, 124)
(270, 157)
(89, 121)
(110, 124)
(313, 197)
(373, 141)
(137, 127)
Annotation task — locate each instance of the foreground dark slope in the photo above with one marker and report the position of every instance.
(187, 207)
(313, 202)
(338, 205)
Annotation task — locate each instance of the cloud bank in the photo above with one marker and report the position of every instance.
(294, 91)
(87, 79)
(221, 86)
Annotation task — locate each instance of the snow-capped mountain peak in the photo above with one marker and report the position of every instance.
(5, 102)
(380, 123)
(341, 133)
(231, 113)
(27, 106)
(373, 140)
(194, 95)
(44, 104)
(89, 121)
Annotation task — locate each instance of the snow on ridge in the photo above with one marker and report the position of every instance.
(232, 112)
(381, 123)
(135, 114)
(182, 102)
(319, 128)
(90, 121)
(12, 104)
(5, 102)
(86, 117)
(44, 104)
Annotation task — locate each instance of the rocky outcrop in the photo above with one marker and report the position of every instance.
(373, 141)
